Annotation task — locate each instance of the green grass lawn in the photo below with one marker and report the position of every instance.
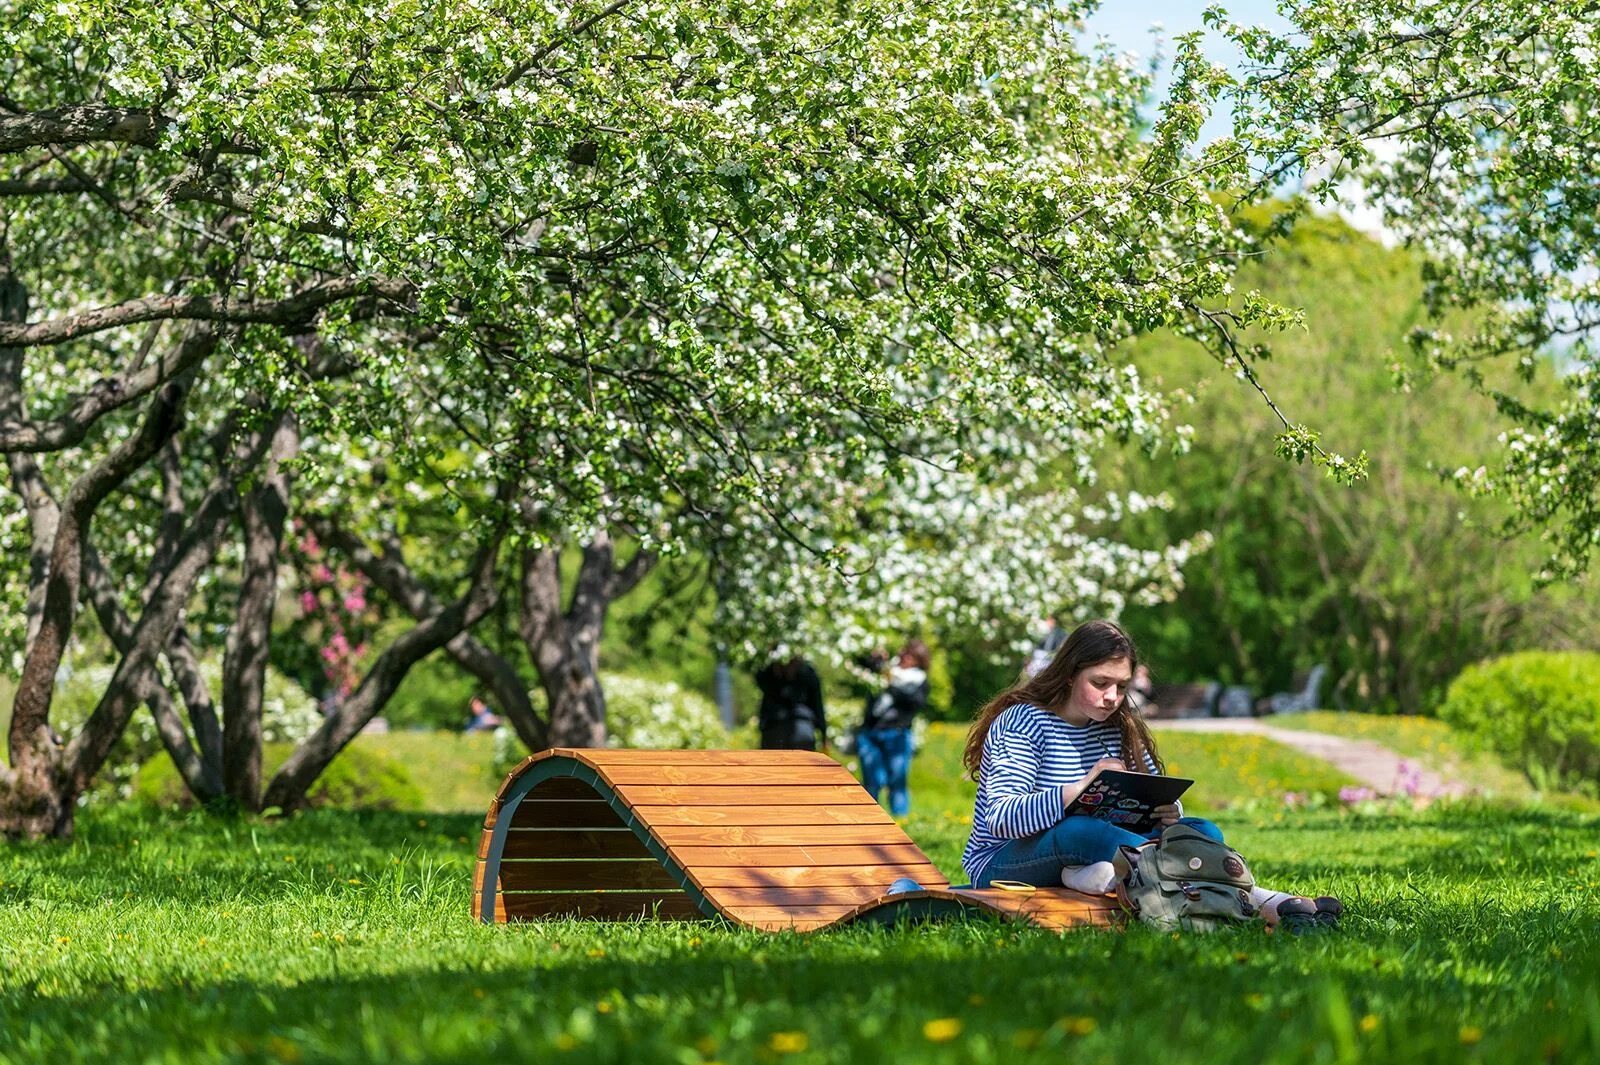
(453, 769)
(1474, 934)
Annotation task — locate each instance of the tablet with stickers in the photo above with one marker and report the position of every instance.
(1127, 800)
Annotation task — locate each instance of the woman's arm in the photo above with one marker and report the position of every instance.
(1010, 778)
(1165, 814)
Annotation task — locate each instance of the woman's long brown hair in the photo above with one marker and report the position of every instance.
(1090, 644)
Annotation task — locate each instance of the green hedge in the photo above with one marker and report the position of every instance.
(1540, 710)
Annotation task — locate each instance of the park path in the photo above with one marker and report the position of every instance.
(1373, 764)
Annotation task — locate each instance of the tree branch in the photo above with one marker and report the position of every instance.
(44, 187)
(30, 731)
(542, 54)
(81, 124)
(105, 395)
(390, 572)
(296, 311)
(204, 779)
(289, 786)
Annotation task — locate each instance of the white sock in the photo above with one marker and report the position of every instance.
(1093, 879)
(1267, 901)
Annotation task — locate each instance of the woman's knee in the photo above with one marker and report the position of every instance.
(1202, 826)
(1088, 839)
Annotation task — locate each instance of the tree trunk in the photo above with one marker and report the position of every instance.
(565, 645)
(202, 775)
(39, 793)
(244, 662)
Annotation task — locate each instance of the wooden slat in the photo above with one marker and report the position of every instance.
(612, 906)
(563, 788)
(782, 916)
(743, 795)
(871, 814)
(803, 925)
(1051, 908)
(719, 775)
(761, 857)
(779, 835)
(585, 876)
(816, 875)
(565, 813)
(568, 843)
(633, 756)
(841, 897)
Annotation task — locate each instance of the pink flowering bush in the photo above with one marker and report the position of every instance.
(336, 616)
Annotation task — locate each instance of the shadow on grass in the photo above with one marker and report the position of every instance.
(619, 993)
(200, 858)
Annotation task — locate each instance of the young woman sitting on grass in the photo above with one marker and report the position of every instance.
(1037, 745)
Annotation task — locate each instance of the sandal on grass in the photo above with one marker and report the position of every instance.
(1299, 915)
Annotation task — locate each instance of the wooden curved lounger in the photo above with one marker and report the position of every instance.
(766, 839)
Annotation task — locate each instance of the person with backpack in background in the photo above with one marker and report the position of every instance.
(883, 742)
(791, 715)
(1038, 745)
(1049, 643)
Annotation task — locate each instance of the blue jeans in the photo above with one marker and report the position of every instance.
(885, 755)
(1039, 859)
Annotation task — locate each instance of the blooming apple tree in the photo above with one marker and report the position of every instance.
(650, 266)
(1473, 128)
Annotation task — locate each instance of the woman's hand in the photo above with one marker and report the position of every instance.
(1168, 814)
(1072, 791)
(1104, 764)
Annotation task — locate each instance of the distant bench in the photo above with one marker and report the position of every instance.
(1183, 700)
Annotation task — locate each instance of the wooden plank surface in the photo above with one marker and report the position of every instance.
(779, 835)
(760, 857)
(613, 756)
(783, 916)
(720, 775)
(612, 906)
(565, 813)
(856, 814)
(558, 875)
(744, 795)
(563, 788)
(776, 839)
(840, 897)
(568, 843)
(1051, 907)
(817, 875)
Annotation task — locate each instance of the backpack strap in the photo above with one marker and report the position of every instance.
(1124, 863)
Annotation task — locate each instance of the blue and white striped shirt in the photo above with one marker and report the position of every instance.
(1028, 757)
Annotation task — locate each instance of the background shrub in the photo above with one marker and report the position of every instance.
(288, 715)
(359, 779)
(1540, 710)
(644, 712)
(640, 712)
